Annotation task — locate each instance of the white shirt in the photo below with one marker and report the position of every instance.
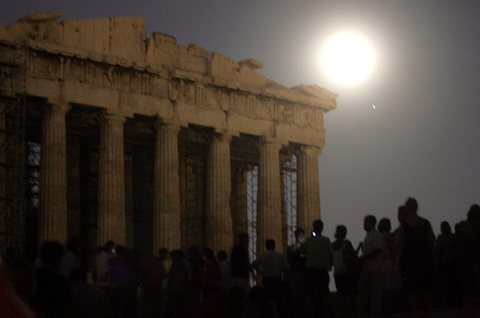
(374, 240)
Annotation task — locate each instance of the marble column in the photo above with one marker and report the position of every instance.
(111, 176)
(53, 175)
(269, 219)
(219, 224)
(308, 188)
(166, 200)
(74, 197)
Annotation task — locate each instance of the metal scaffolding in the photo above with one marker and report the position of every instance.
(289, 171)
(12, 149)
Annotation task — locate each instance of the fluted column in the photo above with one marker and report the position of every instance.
(111, 198)
(308, 187)
(166, 200)
(53, 175)
(219, 224)
(269, 219)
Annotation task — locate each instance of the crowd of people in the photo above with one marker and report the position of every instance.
(404, 270)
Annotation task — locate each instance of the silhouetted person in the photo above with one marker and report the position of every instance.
(53, 290)
(371, 280)
(447, 256)
(196, 261)
(272, 265)
(71, 258)
(345, 270)
(178, 285)
(102, 266)
(469, 248)
(210, 274)
(88, 301)
(390, 283)
(226, 280)
(319, 262)
(124, 283)
(295, 280)
(154, 273)
(417, 243)
(241, 268)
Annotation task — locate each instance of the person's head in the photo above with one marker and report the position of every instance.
(177, 255)
(412, 206)
(473, 214)
(209, 254)
(384, 225)
(51, 254)
(110, 246)
(270, 245)
(300, 235)
(222, 255)
(318, 227)
(401, 214)
(445, 228)
(119, 250)
(369, 223)
(163, 253)
(341, 232)
(243, 239)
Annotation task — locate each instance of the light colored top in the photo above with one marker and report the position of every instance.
(272, 262)
(374, 240)
(339, 267)
(102, 267)
(318, 250)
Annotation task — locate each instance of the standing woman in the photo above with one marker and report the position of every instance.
(417, 242)
(345, 270)
(211, 274)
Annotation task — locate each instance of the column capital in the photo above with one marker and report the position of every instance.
(159, 125)
(225, 137)
(112, 118)
(271, 145)
(311, 151)
(58, 107)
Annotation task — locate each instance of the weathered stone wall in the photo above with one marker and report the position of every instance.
(109, 63)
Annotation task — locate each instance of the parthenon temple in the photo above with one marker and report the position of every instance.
(108, 134)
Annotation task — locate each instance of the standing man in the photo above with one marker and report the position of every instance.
(295, 281)
(319, 262)
(271, 265)
(370, 285)
(240, 263)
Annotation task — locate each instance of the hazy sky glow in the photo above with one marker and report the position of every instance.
(423, 137)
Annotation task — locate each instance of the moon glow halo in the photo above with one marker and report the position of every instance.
(347, 58)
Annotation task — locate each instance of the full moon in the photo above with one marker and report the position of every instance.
(347, 58)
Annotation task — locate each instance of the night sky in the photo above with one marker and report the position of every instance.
(423, 138)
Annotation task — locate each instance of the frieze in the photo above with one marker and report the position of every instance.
(44, 67)
(158, 86)
(130, 80)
